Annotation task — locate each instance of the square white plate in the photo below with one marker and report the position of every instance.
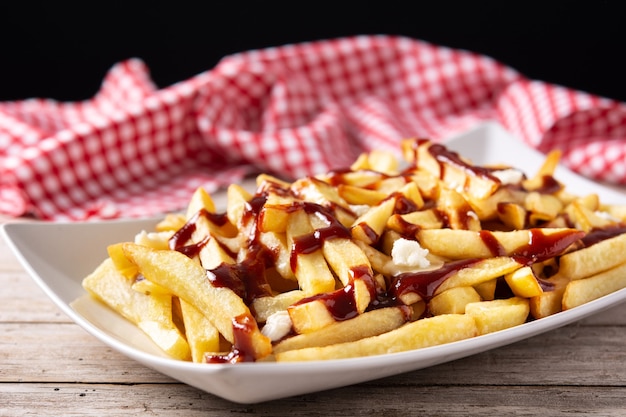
(59, 255)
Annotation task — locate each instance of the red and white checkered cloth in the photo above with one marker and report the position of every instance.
(137, 150)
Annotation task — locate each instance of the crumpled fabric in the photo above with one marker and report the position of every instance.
(136, 150)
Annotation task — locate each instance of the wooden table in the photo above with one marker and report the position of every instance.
(51, 367)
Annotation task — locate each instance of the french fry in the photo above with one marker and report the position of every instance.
(410, 287)
(151, 313)
(263, 307)
(310, 269)
(582, 291)
(411, 223)
(549, 302)
(523, 283)
(455, 172)
(457, 211)
(492, 316)
(359, 195)
(369, 227)
(488, 209)
(368, 324)
(545, 172)
(381, 161)
(418, 334)
(453, 301)
(188, 280)
(594, 259)
(478, 272)
(542, 207)
(486, 244)
(513, 215)
(200, 333)
(156, 320)
(318, 192)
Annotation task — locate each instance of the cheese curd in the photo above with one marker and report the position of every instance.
(509, 176)
(408, 253)
(277, 325)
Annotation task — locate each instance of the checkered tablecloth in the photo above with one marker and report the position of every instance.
(138, 150)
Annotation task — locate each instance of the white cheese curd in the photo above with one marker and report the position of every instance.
(409, 253)
(277, 325)
(606, 216)
(509, 176)
(157, 240)
(359, 209)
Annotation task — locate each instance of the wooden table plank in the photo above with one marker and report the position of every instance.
(181, 400)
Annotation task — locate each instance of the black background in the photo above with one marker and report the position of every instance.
(62, 50)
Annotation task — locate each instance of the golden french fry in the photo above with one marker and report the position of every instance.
(275, 213)
(457, 211)
(381, 161)
(582, 291)
(368, 324)
(369, 227)
(359, 195)
(551, 301)
(513, 215)
(523, 283)
(309, 315)
(528, 243)
(487, 289)
(277, 244)
(411, 223)
(263, 307)
(453, 301)
(237, 199)
(157, 322)
(151, 313)
(200, 200)
(492, 316)
(414, 286)
(145, 286)
(594, 259)
(266, 182)
(188, 280)
(585, 218)
(310, 268)
(171, 222)
(201, 335)
(455, 172)
(422, 333)
(478, 271)
(544, 176)
(542, 207)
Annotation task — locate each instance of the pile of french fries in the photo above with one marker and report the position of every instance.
(388, 255)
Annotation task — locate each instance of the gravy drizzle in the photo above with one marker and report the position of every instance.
(247, 277)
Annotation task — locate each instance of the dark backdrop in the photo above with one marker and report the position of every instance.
(62, 51)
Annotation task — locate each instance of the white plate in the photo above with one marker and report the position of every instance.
(58, 256)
